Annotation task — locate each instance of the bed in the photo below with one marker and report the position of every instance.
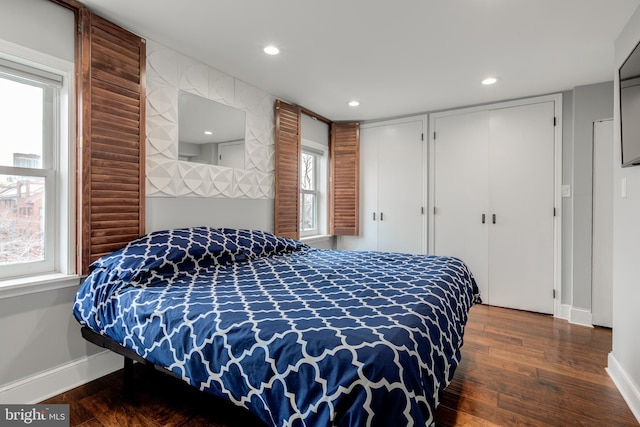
(299, 336)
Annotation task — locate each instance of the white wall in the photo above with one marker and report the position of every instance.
(43, 352)
(590, 103)
(624, 360)
(567, 204)
(41, 341)
(170, 212)
(39, 25)
(581, 107)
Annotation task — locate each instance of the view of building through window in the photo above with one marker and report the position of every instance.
(21, 193)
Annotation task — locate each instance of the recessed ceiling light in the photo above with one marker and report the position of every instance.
(489, 81)
(271, 50)
(208, 132)
(353, 103)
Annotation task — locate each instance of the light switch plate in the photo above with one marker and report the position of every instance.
(623, 188)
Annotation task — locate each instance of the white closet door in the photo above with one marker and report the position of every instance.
(460, 192)
(391, 189)
(400, 187)
(369, 143)
(521, 195)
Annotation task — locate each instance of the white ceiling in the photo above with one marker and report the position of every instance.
(396, 57)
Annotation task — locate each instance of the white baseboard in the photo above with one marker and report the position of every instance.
(582, 317)
(576, 316)
(628, 388)
(41, 386)
(564, 311)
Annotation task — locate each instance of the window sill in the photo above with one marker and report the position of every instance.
(34, 284)
(322, 238)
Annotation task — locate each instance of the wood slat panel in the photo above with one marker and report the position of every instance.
(112, 180)
(117, 140)
(119, 144)
(113, 216)
(116, 121)
(114, 241)
(126, 110)
(126, 197)
(345, 179)
(123, 79)
(124, 175)
(106, 93)
(115, 210)
(287, 171)
(106, 45)
(106, 124)
(116, 158)
(110, 225)
(109, 204)
(101, 184)
(101, 161)
(118, 186)
(121, 233)
(110, 68)
(115, 109)
(119, 208)
(132, 42)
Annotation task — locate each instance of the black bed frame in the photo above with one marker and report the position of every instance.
(129, 358)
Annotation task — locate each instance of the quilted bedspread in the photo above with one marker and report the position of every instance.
(299, 336)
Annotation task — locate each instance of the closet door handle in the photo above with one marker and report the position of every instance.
(483, 218)
(493, 218)
(374, 216)
(381, 216)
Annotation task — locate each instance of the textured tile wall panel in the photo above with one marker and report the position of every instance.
(161, 174)
(169, 71)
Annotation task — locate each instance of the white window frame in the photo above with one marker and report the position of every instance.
(59, 172)
(322, 153)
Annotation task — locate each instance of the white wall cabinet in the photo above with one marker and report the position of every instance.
(493, 194)
(391, 188)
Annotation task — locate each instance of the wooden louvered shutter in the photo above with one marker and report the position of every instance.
(344, 154)
(111, 159)
(287, 171)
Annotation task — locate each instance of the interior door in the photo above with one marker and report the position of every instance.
(400, 187)
(521, 196)
(460, 182)
(602, 265)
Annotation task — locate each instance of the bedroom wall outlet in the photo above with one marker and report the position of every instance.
(566, 190)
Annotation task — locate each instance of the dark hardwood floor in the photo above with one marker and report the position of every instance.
(517, 368)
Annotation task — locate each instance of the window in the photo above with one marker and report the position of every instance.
(313, 189)
(308, 193)
(30, 135)
(335, 207)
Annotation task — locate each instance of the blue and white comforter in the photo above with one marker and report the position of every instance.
(299, 336)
